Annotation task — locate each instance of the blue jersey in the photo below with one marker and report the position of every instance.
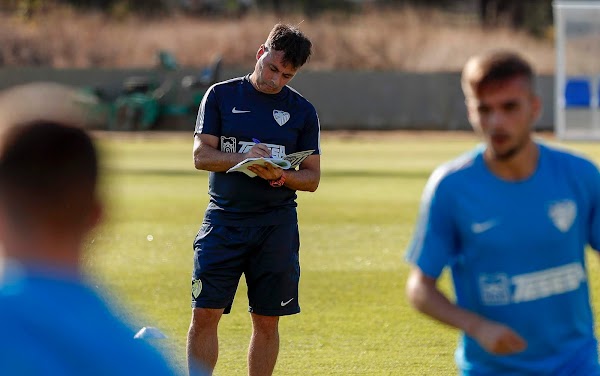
(236, 113)
(516, 253)
(57, 326)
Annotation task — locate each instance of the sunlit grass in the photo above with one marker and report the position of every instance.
(354, 229)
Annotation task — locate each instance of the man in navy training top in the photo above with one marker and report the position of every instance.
(251, 225)
(511, 219)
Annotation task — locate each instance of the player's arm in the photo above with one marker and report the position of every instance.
(308, 175)
(424, 295)
(207, 155)
(306, 178)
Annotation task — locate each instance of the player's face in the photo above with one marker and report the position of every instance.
(504, 113)
(270, 73)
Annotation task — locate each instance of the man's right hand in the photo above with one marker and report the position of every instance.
(498, 339)
(259, 151)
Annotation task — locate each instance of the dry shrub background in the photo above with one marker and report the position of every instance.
(407, 39)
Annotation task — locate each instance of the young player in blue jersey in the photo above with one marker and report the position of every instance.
(511, 219)
(250, 226)
(52, 321)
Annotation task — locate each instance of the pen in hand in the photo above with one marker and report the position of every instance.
(257, 141)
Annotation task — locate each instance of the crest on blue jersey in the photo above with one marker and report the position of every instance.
(281, 117)
(563, 214)
(228, 144)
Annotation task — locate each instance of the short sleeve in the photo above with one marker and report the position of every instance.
(310, 138)
(208, 120)
(434, 238)
(594, 221)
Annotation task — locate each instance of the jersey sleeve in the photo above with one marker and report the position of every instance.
(310, 138)
(433, 241)
(594, 221)
(208, 120)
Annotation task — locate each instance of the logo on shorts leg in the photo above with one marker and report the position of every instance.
(196, 287)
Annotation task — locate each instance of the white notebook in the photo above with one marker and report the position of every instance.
(287, 162)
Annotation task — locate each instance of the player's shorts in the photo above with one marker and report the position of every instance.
(268, 256)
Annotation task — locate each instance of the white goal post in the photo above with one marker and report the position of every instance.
(577, 71)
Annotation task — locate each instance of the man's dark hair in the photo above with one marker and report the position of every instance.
(48, 174)
(495, 66)
(295, 45)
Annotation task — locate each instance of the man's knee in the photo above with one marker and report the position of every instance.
(205, 318)
(265, 324)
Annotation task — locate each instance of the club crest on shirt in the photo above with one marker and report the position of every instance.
(196, 287)
(562, 213)
(281, 117)
(228, 144)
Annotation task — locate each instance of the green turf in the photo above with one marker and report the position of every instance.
(354, 229)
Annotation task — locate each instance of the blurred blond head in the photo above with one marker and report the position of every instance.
(48, 101)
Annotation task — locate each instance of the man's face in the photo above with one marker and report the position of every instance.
(271, 73)
(504, 112)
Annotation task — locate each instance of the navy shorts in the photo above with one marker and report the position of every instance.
(266, 255)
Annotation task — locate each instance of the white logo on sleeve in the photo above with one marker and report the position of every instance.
(495, 288)
(281, 117)
(236, 111)
(563, 214)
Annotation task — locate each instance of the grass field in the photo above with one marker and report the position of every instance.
(354, 230)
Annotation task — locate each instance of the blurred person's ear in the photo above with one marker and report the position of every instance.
(472, 113)
(3, 224)
(536, 106)
(96, 215)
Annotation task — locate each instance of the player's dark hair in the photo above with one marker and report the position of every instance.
(295, 45)
(48, 173)
(496, 66)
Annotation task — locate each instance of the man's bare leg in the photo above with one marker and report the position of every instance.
(264, 345)
(203, 343)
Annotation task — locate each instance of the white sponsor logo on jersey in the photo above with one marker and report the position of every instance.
(548, 282)
(495, 288)
(277, 151)
(563, 214)
(281, 117)
(228, 144)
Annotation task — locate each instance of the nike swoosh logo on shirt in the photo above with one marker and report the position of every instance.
(283, 304)
(478, 228)
(235, 111)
